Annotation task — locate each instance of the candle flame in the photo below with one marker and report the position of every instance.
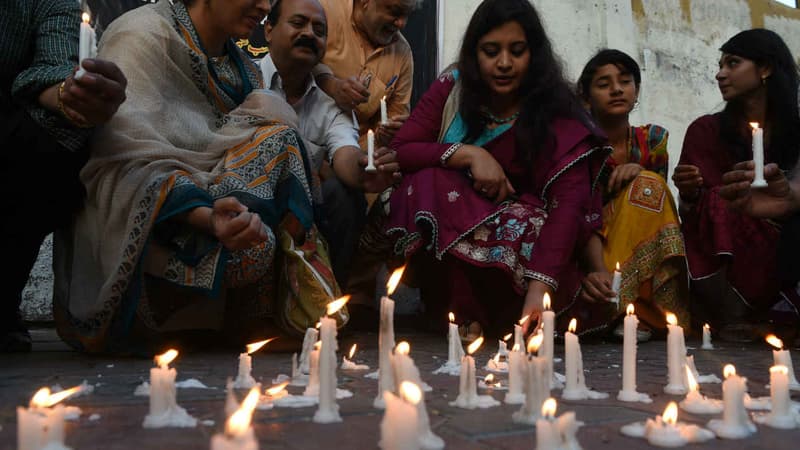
(670, 415)
(452, 317)
(630, 309)
(672, 319)
(318, 345)
(515, 348)
(403, 348)
(729, 370)
(706, 327)
(318, 325)
(775, 341)
(549, 408)
(573, 325)
(523, 320)
(535, 342)
(507, 337)
(44, 399)
(337, 304)
(86, 17)
(779, 369)
(394, 280)
(690, 377)
(546, 301)
(165, 358)
(476, 344)
(353, 351)
(40, 397)
(275, 390)
(239, 422)
(755, 125)
(617, 266)
(256, 346)
(410, 392)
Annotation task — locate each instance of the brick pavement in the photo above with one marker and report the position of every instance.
(121, 414)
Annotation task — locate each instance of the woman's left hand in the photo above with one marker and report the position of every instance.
(622, 175)
(534, 305)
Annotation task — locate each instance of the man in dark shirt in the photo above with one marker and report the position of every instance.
(46, 118)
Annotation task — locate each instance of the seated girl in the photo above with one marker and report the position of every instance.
(500, 165)
(641, 231)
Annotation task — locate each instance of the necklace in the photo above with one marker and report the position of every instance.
(499, 120)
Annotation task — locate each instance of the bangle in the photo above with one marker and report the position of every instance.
(80, 123)
(449, 152)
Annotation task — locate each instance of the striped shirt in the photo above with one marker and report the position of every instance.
(39, 48)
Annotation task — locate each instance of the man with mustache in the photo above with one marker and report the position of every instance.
(296, 31)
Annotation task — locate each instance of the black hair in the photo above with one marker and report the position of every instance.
(766, 49)
(544, 90)
(604, 57)
(275, 14)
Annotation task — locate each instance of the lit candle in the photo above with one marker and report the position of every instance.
(666, 431)
(575, 388)
(516, 373)
(164, 410)
(244, 379)
(468, 397)
(348, 364)
(41, 425)
(384, 114)
(783, 358)
(548, 328)
(758, 156)
(454, 349)
(399, 424)
(519, 339)
(502, 346)
(695, 402)
(87, 46)
(628, 392)
(707, 345)
(239, 434)
(370, 152)
(386, 339)
(676, 357)
(616, 282)
(405, 371)
(734, 424)
(310, 338)
(556, 435)
(328, 411)
(537, 387)
(781, 416)
(312, 388)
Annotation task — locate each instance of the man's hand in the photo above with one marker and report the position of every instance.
(622, 175)
(688, 180)
(388, 172)
(347, 93)
(94, 97)
(774, 201)
(386, 131)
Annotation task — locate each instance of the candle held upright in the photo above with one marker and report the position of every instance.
(87, 45)
(758, 156)
(386, 340)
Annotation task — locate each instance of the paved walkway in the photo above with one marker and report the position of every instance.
(121, 413)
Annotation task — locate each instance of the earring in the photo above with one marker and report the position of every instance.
(764, 81)
(635, 105)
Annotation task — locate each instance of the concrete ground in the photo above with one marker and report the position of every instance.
(119, 425)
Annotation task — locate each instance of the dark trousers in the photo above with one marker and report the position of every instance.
(41, 190)
(344, 214)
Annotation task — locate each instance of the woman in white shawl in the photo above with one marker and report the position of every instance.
(185, 185)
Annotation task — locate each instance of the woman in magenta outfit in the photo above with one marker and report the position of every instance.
(499, 164)
(733, 258)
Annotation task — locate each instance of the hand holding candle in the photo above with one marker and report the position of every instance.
(616, 283)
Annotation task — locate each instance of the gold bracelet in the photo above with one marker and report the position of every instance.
(80, 123)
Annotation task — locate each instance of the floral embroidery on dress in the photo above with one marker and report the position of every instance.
(511, 230)
(554, 203)
(452, 196)
(482, 234)
(592, 217)
(526, 250)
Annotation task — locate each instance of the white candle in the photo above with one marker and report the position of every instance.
(239, 434)
(399, 424)
(548, 436)
(782, 357)
(676, 357)
(384, 114)
(572, 359)
(310, 338)
(519, 339)
(666, 431)
(244, 379)
(695, 402)
(781, 416)
(328, 411)
(370, 152)
(616, 282)
(707, 345)
(87, 46)
(548, 328)
(628, 392)
(454, 349)
(405, 371)
(41, 425)
(734, 424)
(348, 364)
(758, 156)
(537, 387)
(516, 374)
(386, 340)
(312, 388)
(164, 409)
(468, 397)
